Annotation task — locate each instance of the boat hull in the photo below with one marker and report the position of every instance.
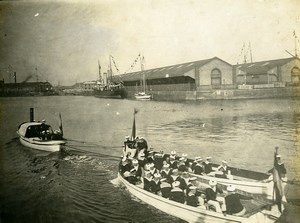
(116, 93)
(143, 97)
(185, 212)
(45, 145)
(253, 187)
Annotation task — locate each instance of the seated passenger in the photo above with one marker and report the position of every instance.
(159, 159)
(191, 198)
(199, 168)
(222, 170)
(233, 203)
(166, 171)
(147, 179)
(207, 165)
(152, 169)
(184, 181)
(173, 162)
(155, 184)
(131, 177)
(181, 166)
(124, 165)
(194, 163)
(212, 198)
(165, 188)
(137, 167)
(176, 193)
(174, 177)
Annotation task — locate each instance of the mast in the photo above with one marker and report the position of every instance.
(250, 51)
(110, 68)
(100, 75)
(142, 69)
(296, 48)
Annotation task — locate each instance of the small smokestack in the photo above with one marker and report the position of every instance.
(15, 77)
(31, 114)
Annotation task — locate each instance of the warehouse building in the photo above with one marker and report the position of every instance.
(182, 80)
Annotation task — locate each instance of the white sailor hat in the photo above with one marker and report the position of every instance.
(212, 183)
(224, 161)
(193, 178)
(192, 188)
(197, 158)
(158, 155)
(181, 158)
(278, 156)
(147, 172)
(184, 155)
(166, 165)
(172, 157)
(126, 137)
(150, 151)
(151, 164)
(163, 179)
(132, 170)
(157, 175)
(231, 188)
(134, 161)
(208, 157)
(173, 152)
(44, 120)
(174, 171)
(142, 154)
(176, 184)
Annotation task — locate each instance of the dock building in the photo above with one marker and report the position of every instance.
(215, 78)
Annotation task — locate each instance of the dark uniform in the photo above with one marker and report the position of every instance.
(192, 200)
(147, 185)
(233, 203)
(165, 189)
(207, 167)
(177, 195)
(210, 194)
(155, 186)
(198, 169)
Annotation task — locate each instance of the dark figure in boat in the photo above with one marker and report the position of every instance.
(233, 202)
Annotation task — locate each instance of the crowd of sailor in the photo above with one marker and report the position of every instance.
(171, 177)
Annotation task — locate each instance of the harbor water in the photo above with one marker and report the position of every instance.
(78, 184)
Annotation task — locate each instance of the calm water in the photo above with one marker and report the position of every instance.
(75, 185)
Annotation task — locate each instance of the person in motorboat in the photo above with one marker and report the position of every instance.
(45, 131)
(155, 184)
(165, 188)
(141, 159)
(176, 193)
(166, 171)
(150, 157)
(194, 163)
(185, 159)
(198, 169)
(194, 182)
(233, 202)
(207, 165)
(147, 179)
(212, 198)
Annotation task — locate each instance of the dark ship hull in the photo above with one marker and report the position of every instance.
(110, 93)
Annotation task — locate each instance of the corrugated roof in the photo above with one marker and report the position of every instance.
(163, 72)
(262, 66)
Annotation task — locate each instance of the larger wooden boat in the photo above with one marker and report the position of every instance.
(257, 211)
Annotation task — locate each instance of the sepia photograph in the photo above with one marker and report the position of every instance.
(134, 111)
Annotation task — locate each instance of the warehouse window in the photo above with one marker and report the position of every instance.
(216, 78)
(295, 76)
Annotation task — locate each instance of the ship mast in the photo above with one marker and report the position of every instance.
(143, 73)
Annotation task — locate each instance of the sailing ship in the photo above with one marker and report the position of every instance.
(106, 87)
(143, 95)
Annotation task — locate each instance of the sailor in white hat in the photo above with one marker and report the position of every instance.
(207, 165)
(176, 193)
(233, 203)
(191, 198)
(147, 179)
(155, 183)
(222, 170)
(166, 171)
(212, 198)
(199, 168)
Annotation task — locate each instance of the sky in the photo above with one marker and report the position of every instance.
(62, 41)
